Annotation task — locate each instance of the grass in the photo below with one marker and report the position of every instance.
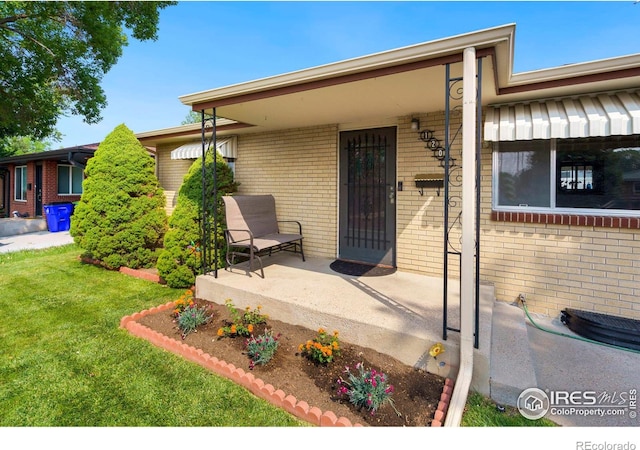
(64, 361)
(483, 412)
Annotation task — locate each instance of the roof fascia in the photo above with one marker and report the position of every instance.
(191, 129)
(48, 155)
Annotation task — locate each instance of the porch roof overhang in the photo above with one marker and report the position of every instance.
(373, 88)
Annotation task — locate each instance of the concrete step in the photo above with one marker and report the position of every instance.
(512, 370)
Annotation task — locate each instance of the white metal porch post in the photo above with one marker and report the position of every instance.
(467, 275)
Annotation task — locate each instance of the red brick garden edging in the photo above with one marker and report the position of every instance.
(277, 397)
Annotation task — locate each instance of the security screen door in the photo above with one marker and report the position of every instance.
(367, 196)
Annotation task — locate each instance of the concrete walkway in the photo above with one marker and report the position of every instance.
(34, 241)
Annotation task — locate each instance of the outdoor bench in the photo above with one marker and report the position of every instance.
(252, 230)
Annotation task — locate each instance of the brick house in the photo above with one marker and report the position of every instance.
(558, 191)
(33, 180)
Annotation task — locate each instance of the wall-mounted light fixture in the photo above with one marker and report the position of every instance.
(415, 124)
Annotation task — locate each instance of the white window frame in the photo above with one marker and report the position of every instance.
(552, 209)
(62, 194)
(23, 179)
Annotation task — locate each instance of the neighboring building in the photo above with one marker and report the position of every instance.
(33, 180)
(348, 149)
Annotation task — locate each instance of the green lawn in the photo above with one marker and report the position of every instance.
(483, 412)
(64, 361)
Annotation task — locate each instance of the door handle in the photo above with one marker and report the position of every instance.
(392, 195)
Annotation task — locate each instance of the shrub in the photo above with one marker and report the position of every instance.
(242, 323)
(180, 260)
(323, 348)
(367, 388)
(262, 348)
(120, 218)
(192, 317)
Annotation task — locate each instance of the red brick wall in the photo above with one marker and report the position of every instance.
(50, 185)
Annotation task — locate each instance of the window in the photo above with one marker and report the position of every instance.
(565, 175)
(21, 183)
(69, 180)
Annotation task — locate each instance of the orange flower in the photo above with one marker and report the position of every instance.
(233, 329)
(250, 328)
(220, 332)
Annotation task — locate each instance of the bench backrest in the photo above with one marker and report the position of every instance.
(256, 213)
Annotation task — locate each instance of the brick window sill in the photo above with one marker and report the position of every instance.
(630, 223)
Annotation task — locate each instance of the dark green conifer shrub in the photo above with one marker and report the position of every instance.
(120, 219)
(180, 260)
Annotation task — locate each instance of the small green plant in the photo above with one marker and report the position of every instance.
(242, 322)
(192, 317)
(367, 388)
(323, 348)
(262, 348)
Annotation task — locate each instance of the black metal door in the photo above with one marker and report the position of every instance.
(367, 196)
(38, 189)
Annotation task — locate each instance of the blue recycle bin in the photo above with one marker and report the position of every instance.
(58, 216)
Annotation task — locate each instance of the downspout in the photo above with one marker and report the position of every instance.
(467, 270)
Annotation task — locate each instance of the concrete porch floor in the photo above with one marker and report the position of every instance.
(398, 314)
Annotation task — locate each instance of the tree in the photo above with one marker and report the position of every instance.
(192, 117)
(20, 145)
(54, 55)
(120, 219)
(179, 262)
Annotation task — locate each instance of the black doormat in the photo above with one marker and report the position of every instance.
(359, 269)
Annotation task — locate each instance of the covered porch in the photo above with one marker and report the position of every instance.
(398, 314)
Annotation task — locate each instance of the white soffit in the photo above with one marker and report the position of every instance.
(573, 117)
(227, 147)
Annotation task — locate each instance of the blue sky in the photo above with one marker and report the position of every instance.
(205, 45)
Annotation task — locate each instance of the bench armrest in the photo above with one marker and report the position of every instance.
(227, 233)
(293, 221)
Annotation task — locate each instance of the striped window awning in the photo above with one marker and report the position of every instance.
(226, 146)
(573, 117)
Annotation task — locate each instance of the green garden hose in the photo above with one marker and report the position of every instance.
(579, 338)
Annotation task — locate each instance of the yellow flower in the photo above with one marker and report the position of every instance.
(436, 349)
(300, 347)
(335, 333)
(321, 330)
